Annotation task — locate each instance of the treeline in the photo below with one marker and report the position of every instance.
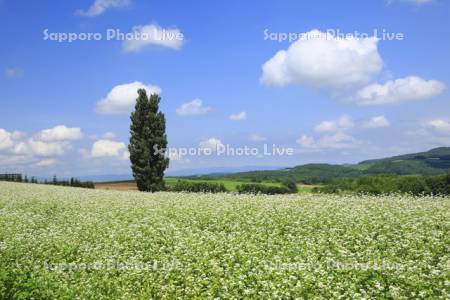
(287, 187)
(389, 184)
(197, 187)
(73, 182)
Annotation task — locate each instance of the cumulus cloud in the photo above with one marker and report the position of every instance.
(60, 133)
(193, 108)
(125, 155)
(153, 35)
(440, 126)
(335, 135)
(337, 141)
(256, 138)
(17, 135)
(239, 117)
(406, 89)
(306, 141)
(40, 148)
(324, 61)
(377, 122)
(343, 123)
(15, 144)
(107, 148)
(122, 98)
(100, 6)
(211, 143)
(6, 140)
(108, 135)
(46, 162)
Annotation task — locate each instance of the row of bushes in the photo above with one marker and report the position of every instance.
(388, 184)
(287, 187)
(197, 187)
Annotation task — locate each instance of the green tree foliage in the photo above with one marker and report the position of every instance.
(148, 134)
(389, 184)
(290, 184)
(198, 187)
(256, 188)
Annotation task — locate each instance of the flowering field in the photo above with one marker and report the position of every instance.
(67, 243)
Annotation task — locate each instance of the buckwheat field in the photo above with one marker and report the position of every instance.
(69, 243)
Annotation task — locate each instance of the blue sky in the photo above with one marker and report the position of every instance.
(330, 100)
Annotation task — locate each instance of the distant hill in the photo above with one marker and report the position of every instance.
(433, 162)
(178, 173)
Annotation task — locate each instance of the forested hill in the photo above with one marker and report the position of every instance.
(433, 162)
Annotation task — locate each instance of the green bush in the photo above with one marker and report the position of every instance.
(198, 187)
(290, 184)
(253, 188)
(388, 184)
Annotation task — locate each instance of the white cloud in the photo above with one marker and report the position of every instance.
(211, 143)
(343, 123)
(239, 117)
(13, 72)
(324, 61)
(108, 135)
(441, 126)
(256, 138)
(125, 155)
(377, 122)
(6, 140)
(105, 148)
(99, 6)
(195, 107)
(60, 133)
(306, 141)
(38, 151)
(40, 148)
(17, 135)
(46, 162)
(122, 98)
(153, 35)
(14, 143)
(406, 89)
(174, 155)
(337, 141)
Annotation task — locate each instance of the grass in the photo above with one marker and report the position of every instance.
(65, 243)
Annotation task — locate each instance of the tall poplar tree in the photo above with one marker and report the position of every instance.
(148, 135)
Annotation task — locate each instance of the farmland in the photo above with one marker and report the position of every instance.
(58, 242)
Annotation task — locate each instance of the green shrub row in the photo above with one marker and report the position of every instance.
(388, 184)
(287, 187)
(197, 187)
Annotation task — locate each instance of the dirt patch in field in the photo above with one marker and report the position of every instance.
(119, 186)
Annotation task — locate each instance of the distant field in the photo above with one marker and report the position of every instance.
(229, 184)
(72, 243)
(117, 186)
